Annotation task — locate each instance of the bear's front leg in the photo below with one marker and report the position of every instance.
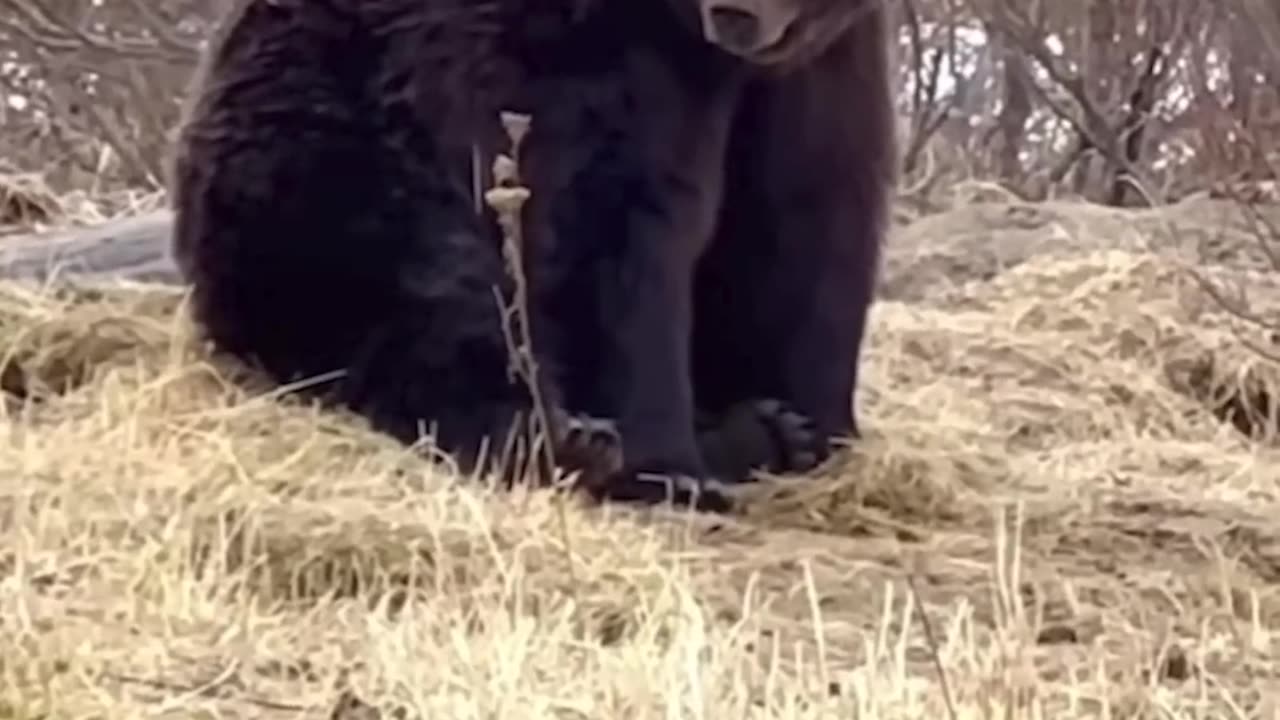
(675, 143)
(784, 291)
(826, 174)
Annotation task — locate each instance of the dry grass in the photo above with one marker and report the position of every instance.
(28, 204)
(1087, 537)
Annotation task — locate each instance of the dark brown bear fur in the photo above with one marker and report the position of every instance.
(703, 234)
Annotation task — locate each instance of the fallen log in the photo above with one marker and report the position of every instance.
(134, 248)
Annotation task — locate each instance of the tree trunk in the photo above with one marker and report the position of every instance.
(135, 248)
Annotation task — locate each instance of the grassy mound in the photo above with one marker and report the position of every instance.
(1069, 471)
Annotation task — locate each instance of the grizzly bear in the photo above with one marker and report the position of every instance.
(709, 184)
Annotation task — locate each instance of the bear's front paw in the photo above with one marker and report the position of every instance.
(590, 445)
(799, 445)
(762, 434)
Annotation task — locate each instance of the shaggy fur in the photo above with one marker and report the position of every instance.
(702, 237)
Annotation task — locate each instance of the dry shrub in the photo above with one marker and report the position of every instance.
(25, 201)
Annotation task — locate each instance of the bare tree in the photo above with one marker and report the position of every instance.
(1120, 101)
(92, 90)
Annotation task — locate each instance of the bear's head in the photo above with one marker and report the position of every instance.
(776, 32)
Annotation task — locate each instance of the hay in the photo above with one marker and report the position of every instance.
(1052, 461)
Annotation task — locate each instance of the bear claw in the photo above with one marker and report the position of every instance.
(678, 489)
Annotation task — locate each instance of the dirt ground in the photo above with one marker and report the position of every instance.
(1065, 507)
